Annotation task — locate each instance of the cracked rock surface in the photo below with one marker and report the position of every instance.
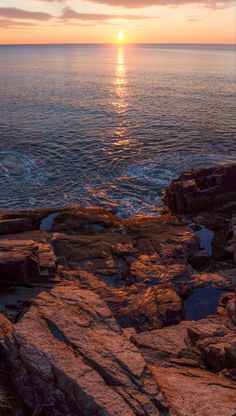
(101, 316)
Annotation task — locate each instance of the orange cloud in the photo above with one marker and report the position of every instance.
(11, 17)
(14, 13)
(70, 14)
(213, 4)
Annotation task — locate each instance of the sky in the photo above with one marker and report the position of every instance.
(99, 21)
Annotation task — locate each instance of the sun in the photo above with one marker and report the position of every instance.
(120, 37)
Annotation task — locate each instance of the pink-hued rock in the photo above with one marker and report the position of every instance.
(91, 299)
(180, 358)
(68, 356)
(191, 391)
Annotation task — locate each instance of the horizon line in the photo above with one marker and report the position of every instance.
(116, 44)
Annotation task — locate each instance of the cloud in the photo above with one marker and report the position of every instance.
(13, 13)
(13, 24)
(212, 4)
(70, 14)
(11, 17)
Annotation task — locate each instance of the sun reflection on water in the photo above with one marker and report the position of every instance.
(120, 103)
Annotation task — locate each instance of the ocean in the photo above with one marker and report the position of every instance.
(111, 125)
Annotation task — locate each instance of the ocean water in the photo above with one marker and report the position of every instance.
(110, 125)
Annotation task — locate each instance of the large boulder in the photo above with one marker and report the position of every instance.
(202, 189)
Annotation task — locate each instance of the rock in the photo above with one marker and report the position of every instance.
(18, 261)
(215, 342)
(218, 352)
(132, 264)
(86, 220)
(234, 242)
(68, 356)
(22, 261)
(195, 392)
(200, 261)
(97, 310)
(228, 305)
(6, 327)
(230, 353)
(155, 308)
(231, 310)
(207, 343)
(222, 279)
(16, 225)
(47, 261)
(179, 366)
(161, 345)
(202, 189)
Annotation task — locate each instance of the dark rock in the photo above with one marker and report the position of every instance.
(16, 225)
(202, 189)
(22, 261)
(200, 261)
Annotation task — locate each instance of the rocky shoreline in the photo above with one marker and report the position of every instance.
(111, 317)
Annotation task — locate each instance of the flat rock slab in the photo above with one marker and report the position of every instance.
(194, 392)
(69, 357)
(210, 343)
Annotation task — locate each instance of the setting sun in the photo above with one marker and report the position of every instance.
(120, 37)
